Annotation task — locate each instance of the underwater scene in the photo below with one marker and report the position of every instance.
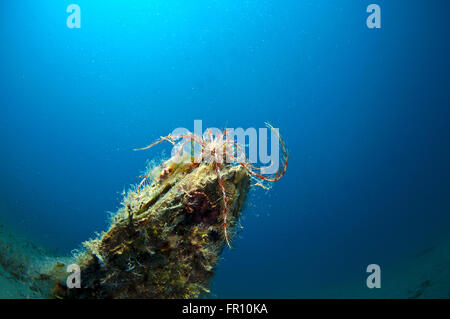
(211, 149)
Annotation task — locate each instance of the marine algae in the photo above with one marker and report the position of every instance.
(165, 240)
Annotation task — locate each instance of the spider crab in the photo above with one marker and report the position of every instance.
(221, 150)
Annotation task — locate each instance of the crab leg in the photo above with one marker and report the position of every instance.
(168, 138)
(225, 206)
(142, 182)
(253, 170)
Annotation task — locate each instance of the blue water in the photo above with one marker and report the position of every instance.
(365, 115)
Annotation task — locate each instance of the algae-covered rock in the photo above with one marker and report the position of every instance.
(166, 239)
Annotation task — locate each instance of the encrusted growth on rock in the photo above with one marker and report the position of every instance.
(166, 239)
